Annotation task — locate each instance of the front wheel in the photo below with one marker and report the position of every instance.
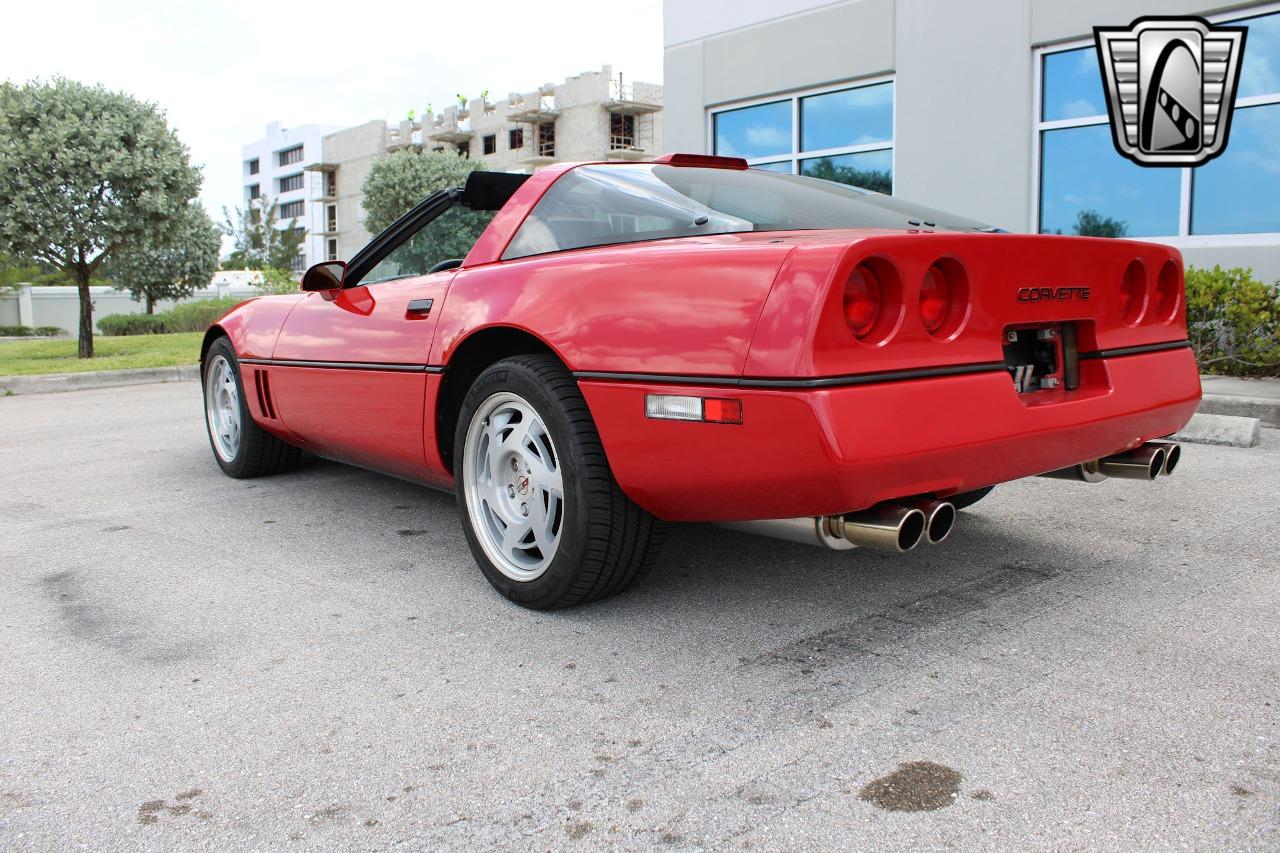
(241, 447)
(543, 516)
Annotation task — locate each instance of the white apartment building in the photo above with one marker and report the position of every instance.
(274, 168)
(592, 116)
(992, 109)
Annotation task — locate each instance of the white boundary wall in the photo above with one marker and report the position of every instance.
(60, 306)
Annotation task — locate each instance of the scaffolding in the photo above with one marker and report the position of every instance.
(631, 121)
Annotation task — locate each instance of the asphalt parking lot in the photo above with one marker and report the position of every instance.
(313, 661)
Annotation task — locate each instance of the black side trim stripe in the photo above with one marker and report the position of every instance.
(1113, 353)
(347, 365)
(818, 382)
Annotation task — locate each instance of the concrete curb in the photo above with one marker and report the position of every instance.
(1265, 410)
(53, 382)
(1227, 430)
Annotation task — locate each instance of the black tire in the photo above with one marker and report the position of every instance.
(258, 452)
(968, 499)
(605, 541)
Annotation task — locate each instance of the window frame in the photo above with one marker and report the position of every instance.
(285, 156)
(795, 97)
(1184, 238)
(282, 216)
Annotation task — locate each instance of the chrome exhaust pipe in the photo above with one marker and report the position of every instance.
(1141, 463)
(1172, 455)
(888, 527)
(939, 518)
(1085, 472)
(808, 530)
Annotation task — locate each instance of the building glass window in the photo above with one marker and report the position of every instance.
(299, 263)
(292, 209)
(290, 155)
(253, 166)
(1083, 175)
(851, 117)
(1239, 191)
(843, 135)
(763, 131)
(870, 170)
(255, 192)
(1087, 187)
(291, 183)
(490, 143)
(515, 138)
(1071, 86)
(331, 249)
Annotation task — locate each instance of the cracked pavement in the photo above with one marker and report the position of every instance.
(313, 661)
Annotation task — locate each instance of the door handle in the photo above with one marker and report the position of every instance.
(418, 308)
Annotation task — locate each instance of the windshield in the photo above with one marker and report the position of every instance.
(602, 205)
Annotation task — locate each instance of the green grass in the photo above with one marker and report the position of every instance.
(27, 358)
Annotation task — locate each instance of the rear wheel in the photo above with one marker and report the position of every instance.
(242, 448)
(967, 499)
(543, 516)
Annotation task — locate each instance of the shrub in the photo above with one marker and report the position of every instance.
(129, 324)
(29, 332)
(188, 317)
(196, 316)
(1233, 321)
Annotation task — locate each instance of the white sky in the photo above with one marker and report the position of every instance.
(223, 69)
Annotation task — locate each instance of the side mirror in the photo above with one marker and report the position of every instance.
(325, 276)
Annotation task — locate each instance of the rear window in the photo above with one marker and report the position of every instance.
(605, 205)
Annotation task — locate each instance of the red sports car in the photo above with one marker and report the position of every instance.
(585, 352)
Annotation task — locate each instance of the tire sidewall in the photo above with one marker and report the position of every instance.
(222, 347)
(561, 574)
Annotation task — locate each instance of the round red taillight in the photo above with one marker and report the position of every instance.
(1133, 293)
(862, 300)
(935, 299)
(1167, 293)
(944, 298)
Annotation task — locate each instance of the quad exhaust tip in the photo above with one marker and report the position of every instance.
(1150, 460)
(887, 527)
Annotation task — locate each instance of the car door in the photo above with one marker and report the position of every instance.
(350, 370)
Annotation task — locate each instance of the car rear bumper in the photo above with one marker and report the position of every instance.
(818, 451)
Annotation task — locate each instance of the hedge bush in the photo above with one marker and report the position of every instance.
(187, 317)
(1233, 321)
(29, 332)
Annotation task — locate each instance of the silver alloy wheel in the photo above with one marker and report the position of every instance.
(222, 407)
(513, 487)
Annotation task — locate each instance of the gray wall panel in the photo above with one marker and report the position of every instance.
(684, 113)
(829, 44)
(963, 134)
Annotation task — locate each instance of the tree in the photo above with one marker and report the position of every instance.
(260, 241)
(399, 181)
(1090, 223)
(84, 174)
(174, 268)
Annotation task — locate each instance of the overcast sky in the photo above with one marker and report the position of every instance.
(222, 70)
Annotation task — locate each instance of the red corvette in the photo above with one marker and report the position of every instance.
(587, 351)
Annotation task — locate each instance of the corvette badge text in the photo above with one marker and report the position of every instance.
(1171, 86)
(1053, 294)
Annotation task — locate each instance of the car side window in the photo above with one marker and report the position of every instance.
(447, 237)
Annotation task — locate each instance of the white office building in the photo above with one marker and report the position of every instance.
(992, 109)
(274, 168)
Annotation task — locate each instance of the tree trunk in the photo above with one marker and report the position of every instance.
(151, 304)
(85, 349)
